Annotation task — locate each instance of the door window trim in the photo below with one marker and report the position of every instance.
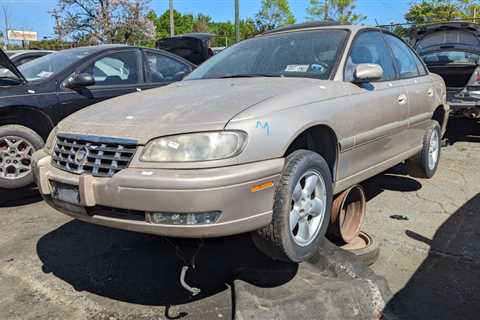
(387, 47)
(412, 51)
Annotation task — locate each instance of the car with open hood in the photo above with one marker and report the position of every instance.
(259, 138)
(194, 47)
(452, 50)
(35, 96)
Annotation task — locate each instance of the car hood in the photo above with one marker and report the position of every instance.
(187, 106)
(192, 47)
(6, 63)
(456, 35)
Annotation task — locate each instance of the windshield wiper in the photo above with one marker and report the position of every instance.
(249, 75)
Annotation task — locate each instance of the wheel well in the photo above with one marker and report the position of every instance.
(320, 139)
(30, 118)
(439, 115)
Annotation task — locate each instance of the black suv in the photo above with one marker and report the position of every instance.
(37, 95)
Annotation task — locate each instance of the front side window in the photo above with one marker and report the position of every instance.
(369, 47)
(311, 54)
(162, 68)
(118, 68)
(406, 60)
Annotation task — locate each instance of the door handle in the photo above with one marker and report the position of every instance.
(402, 99)
(430, 92)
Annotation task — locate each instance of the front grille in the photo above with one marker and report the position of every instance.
(98, 156)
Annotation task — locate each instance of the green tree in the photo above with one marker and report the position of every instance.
(274, 14)
(201, 23)
(183, 23)
(433, 10)
(469, 9)
(337, 10)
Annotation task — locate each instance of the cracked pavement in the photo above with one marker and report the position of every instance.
(52, 267)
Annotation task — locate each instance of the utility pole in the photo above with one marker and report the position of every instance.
(237, 20)
(5, 20)
(172, 22)
(325, 10)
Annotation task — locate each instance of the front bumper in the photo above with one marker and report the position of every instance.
(225, 189)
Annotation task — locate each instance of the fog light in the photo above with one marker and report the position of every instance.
(185, 218)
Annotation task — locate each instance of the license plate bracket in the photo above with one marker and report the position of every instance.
(65, 192)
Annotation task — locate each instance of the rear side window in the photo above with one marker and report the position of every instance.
(369, 47)
(405, 59)
(162, 68)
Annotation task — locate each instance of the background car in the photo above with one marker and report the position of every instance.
(194, 47)
(452, 50)
(37, 95)
(20, 57)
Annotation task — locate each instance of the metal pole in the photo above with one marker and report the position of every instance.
(172, 22)
(237, 20)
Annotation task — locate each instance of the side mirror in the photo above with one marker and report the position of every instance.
(80, 80)
(366, 72)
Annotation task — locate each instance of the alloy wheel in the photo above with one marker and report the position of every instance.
(433, 150)
(15, 157)
(309, 199)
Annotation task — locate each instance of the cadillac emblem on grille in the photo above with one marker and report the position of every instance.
(81, 156)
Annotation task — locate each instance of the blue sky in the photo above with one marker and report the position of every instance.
(33, 14)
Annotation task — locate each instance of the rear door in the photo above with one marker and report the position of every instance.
(379, 107)
(419, 88)
(116, 73)
(162, 69)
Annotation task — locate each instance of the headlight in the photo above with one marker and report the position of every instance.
(190, 147)
(52, 138)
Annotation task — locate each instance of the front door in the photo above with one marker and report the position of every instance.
(116, 73)
(380, 108)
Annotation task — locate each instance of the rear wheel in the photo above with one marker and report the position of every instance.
(425, 163)
(17, 145)
(301, 212)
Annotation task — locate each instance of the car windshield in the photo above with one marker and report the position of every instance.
(46, 66)
(311, 54)
(451, 57)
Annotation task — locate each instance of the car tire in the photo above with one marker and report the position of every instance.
(21, 154)
(368, 254)
(425, 163)
(306, 174)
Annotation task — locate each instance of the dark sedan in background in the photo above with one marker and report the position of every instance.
(452, 50)
(37, 95)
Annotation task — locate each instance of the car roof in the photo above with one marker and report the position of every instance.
(97, 48)
(28, 51)
(314, 25)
